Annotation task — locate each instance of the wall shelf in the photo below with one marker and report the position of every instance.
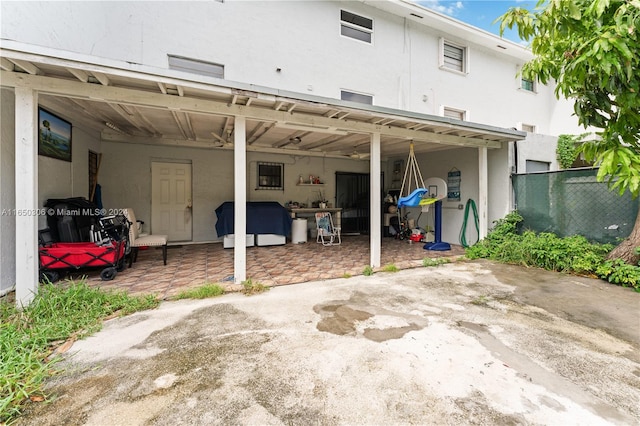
(310, 184)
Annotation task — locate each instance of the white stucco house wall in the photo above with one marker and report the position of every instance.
(225, 85)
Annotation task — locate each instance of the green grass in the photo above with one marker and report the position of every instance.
(29, 336)
(427, 261)
(250, 288)
(573, 254)
(368, 271)
(480, 300)
(204, 292)
(390, 268)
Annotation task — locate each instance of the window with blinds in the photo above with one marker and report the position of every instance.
(527, 85)
(458, 114)
(453, 57)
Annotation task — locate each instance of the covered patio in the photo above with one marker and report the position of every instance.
(192, 265)
(139, 108)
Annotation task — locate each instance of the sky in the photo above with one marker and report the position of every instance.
(479, 13)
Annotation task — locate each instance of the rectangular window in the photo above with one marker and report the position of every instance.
(356, 26)
(453, 56)
(534, 166)
(196, 66)
(458, 114)
(271, 176)
(530, 128)
(360, 98)
(527, 85)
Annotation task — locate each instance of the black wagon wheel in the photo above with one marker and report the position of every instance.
(108, 274)
(120, 265)
(49, 276)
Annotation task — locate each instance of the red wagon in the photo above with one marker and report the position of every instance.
(108, 252)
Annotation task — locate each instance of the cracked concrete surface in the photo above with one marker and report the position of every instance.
(465, 343)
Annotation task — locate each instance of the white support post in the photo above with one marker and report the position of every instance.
(240, 199)
(375, 212)
(26, 187)
(483, 192)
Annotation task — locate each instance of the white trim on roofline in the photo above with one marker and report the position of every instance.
(450, 26)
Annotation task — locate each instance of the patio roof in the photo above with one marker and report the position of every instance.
(131, 103)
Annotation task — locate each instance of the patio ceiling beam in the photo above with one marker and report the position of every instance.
(179, 124)
(57, 104)
(255, 130)
(129, 117)
(416, 126)
(82, 104)
(102, 78)
(348, 147)
(215, 135)
(79, 74)
(225, 126)
(291, 139)
(146, 121)
(322, 143)
(27, 66)
(67, 88)
(115, 137)
(192, 132)
(396, 150)
(6, 64)
(268, 127)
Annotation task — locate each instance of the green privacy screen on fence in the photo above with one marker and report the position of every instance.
(572, 202)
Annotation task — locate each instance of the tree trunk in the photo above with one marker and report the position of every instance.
(626, 249)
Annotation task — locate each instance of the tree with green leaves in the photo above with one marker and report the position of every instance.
(590, 50)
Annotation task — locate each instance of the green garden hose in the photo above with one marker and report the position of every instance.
(463, 230)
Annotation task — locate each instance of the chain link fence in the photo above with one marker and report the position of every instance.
(572, 202)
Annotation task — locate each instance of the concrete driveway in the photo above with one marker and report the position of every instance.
(464, 343)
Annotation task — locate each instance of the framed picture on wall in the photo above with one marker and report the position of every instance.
(54, 136)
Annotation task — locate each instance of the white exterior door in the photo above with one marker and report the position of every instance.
(171, 207)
